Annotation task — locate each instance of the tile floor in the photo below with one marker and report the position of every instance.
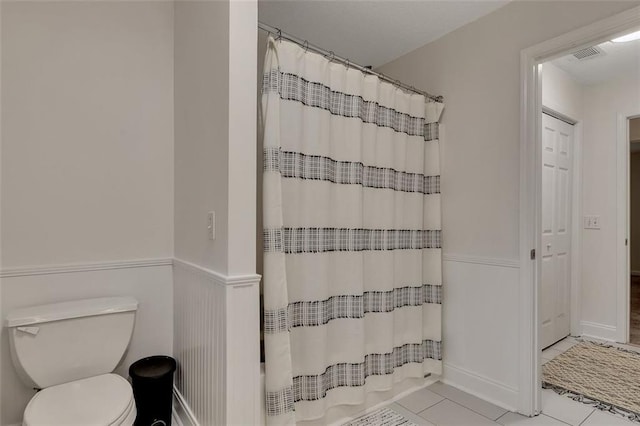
(444, 405)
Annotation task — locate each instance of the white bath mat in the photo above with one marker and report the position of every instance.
(382, 417)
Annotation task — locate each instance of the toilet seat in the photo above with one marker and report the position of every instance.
(105, 400)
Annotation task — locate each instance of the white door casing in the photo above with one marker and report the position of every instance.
(555, 256)
(623, 236)
(530, 391)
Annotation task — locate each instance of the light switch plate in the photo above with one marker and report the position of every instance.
(591, 222)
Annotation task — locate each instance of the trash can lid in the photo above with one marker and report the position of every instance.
(153, 367)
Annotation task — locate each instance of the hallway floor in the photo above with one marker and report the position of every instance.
(634, 314)
(444, 405)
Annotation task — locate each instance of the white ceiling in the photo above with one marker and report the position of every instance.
(619, 59)
(372, 32)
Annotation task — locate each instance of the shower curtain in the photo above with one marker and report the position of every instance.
(352, 258)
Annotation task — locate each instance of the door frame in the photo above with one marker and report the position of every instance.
(530, 391)
(623, 228)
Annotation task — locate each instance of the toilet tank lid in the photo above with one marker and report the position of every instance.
(73, 309)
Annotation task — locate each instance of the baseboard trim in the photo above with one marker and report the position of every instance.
(182, 411)
(490, 390)
(175, 419)
(599, 331)
(22, 271)
(218, 278)
(488, 261)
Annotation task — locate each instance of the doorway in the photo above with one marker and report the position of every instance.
(531, 184)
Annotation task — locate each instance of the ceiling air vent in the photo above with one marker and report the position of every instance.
(588, 53)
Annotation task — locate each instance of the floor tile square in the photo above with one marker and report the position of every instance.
(448, 413)
(564, 409)
(420, 400)
(600, 418)
(469, 401)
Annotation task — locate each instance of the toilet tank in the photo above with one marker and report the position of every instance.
(63, 342)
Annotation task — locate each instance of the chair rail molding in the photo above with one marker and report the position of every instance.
(480, 260)
(218, 278)
(21, 271)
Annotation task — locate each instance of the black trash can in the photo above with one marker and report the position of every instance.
(152, 382)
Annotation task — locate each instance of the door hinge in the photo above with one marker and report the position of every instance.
(626, 241)
(533, 254)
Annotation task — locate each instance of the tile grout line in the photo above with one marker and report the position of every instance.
(418, 414)
(433, 405)
(590, 414)
(562, 421)
(496, 420)
(413, 414)
(473, 411)
(572, 403)
(424, 409)
(428, 408)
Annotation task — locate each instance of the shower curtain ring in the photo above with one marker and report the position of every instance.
(279, 34)
(348, 63)
(306, 46)
(332, 55)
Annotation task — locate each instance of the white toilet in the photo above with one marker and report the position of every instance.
(69, 350)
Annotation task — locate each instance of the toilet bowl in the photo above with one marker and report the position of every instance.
(105, 400)
(69, 350)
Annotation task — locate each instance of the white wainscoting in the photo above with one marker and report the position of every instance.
(148, 280)
(217, 346)
(216, 329)
(480, 327)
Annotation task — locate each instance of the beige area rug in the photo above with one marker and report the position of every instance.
(600, 375)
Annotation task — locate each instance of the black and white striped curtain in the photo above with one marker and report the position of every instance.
(352, 262)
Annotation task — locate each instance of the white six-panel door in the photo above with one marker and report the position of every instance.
(555, 256)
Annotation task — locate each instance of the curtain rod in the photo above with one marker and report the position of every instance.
(335, 58)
